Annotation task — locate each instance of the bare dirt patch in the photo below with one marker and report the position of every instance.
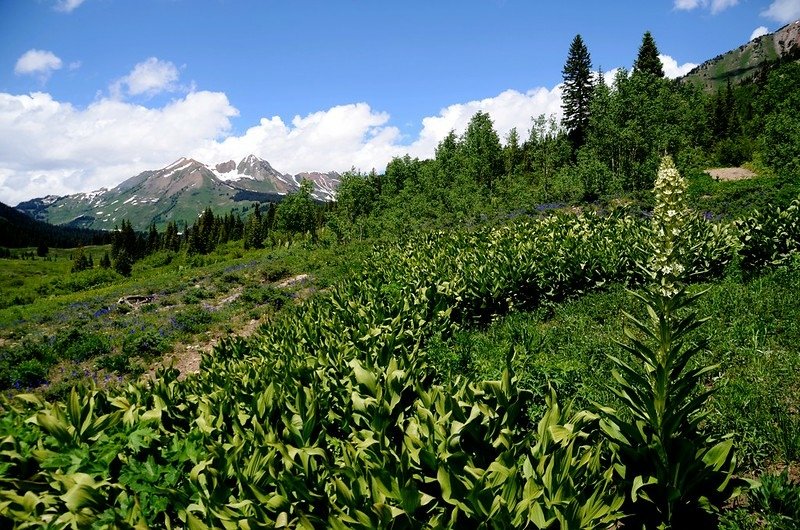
(293, 281)
(730, 173)
(186, 357)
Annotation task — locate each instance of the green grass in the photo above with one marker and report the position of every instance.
(753, 334)
(738, 199)
(69, 326)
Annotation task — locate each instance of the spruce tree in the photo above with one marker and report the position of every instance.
(647, 61)
(577, 91)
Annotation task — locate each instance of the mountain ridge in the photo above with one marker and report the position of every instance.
(177, 192)
(747, 60)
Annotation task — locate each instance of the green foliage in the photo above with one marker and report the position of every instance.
(333, 415)
(80, 261)
(576, 101)
(770, 238)
(26, 364)
(777, 105)
(146, 343)
(190, 320)
(79, 345)
(297, 212)
(778, 498)
(647, 60)
(672, 472)
(123, 263)
(480, 151)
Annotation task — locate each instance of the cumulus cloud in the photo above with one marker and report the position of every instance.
(37, 62)
(150, 77)
(715, 6)
(758, 32)
(508, 110)
(68, 6)
(356, 135)
(52, 147)
(672, 69)
(783, 11)
(55, 148)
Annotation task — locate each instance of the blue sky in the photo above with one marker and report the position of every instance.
(95, 91)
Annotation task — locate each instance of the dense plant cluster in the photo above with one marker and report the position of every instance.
(333, 416)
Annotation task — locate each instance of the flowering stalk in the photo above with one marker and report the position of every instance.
(670, 214)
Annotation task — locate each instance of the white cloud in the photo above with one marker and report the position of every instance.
(783, 11)
(150, 77)
(68, 6)
(672, 69)
(39, 62)
(356, 135)
(55, 148)
(758, 32)
(686, 5)
(508, 110)
(51, 147)
(715, 6)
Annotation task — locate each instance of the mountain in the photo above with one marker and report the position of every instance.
(177, 192)
(748, 60)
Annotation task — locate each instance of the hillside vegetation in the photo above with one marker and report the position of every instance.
(561, 332)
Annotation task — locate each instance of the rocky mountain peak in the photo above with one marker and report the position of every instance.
(226, 167)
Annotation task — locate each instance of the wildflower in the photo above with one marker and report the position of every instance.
(668, 220)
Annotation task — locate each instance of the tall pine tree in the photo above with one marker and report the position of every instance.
(577, 91)
(647, 61)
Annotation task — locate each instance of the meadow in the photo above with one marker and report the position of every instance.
(508, 375)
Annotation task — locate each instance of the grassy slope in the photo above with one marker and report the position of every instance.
(753, 332)
(198, 300)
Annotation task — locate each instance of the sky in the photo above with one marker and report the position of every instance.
(93, 92)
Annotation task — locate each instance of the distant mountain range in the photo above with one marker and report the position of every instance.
(177, 192)
(748, 59)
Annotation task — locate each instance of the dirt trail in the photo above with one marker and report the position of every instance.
(186, 357)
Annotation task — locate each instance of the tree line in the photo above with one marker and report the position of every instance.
(297, 213)
(607, 145)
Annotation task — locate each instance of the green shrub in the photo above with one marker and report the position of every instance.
(272, 272)
(26, 364)
(192, 320)
(121, 363)
(196, 294)
(79, 345)
(144, 343)
(265, 295)
(778, 499)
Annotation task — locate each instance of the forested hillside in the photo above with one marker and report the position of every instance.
(19, 230)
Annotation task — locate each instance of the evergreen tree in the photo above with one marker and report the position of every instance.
(647, 61)
(79, 260)
(105, 261)
(153, 242)
(512, 153)
(171, 239)
(271, 215)
(123, 263)
(577, 91)
(42, 250)
(253, 236)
